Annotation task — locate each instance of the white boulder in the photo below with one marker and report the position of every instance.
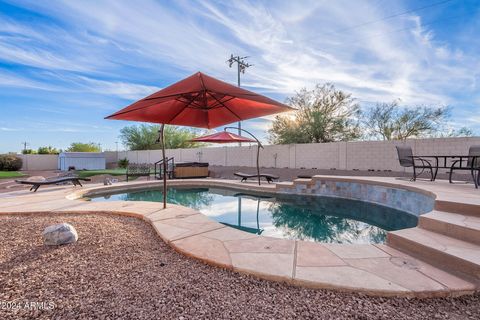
(59, 234)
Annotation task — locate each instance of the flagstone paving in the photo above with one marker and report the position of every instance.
(373, 269)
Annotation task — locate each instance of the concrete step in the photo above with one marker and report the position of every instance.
(458, 207)
(438, 249)
(458, 226)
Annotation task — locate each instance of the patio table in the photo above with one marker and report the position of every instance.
(441, 162)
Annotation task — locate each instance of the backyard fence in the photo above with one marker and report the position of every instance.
(362, 155)
(39, 162)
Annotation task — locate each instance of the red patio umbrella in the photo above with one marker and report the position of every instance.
(198, 101)
(223, 137)
(228, 137)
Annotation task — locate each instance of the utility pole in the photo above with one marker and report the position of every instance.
(242, 65)
(25, 144)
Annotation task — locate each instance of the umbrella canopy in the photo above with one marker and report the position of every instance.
(223, 137)
(228, 137)
(200, 101)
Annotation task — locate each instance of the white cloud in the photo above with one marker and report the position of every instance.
(116, 88)
(8, 129)
(8, 79)
(120, 49)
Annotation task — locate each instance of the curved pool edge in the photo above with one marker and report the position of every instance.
(412, 200)
(377, 270)
(204, 243)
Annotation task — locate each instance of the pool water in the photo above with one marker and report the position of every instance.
(309, 218)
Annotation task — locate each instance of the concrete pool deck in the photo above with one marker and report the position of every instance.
(440, 257)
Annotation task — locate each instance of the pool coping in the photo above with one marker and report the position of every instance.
(371, 269)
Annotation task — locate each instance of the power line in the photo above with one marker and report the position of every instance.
(385, 18)
(393, 16)
(382, 34)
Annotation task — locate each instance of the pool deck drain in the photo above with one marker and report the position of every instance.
(368, 268)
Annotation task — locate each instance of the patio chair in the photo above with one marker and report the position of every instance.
(472, 165)
(407, 159)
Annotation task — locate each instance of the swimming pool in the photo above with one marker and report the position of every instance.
(309, 218)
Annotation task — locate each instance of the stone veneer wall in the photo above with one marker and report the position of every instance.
(413, 202)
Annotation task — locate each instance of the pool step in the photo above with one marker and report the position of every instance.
(438, 249)
(462, 227)
(458, 207)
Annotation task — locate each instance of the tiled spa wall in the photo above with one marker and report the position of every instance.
(402, 199)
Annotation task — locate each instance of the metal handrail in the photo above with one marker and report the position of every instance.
(158, 174)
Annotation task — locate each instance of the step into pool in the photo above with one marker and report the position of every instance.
(309, 218)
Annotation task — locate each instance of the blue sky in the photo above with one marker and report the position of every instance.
(65, 65)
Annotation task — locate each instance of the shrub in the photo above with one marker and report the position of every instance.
(47, 150)
(123, 163)
(10, 162)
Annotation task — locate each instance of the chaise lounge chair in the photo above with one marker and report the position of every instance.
(245, 176)
(36, 184)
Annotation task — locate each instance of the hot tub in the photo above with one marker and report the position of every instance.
(191, 170)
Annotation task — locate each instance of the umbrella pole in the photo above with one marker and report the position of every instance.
(162, 139)
(258, 165)
(259, 144)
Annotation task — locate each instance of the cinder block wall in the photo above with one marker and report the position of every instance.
(39, 162)
(363, 155)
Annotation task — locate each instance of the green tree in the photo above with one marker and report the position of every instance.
(84, 147)
(28, 151)
(47, 150)
(389, 121)
(144, 137)
(323, 114)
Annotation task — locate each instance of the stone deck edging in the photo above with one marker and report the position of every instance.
(372, 269)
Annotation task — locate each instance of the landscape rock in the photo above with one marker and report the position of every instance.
(116, 272)
(59, 234)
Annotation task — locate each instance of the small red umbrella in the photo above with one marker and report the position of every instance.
(223, 137)
(228, 137)
(198, 101)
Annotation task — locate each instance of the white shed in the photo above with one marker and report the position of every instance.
(81, 160)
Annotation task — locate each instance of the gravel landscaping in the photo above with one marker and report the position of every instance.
(120, 269)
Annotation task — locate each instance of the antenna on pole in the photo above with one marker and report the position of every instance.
(242, 65)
